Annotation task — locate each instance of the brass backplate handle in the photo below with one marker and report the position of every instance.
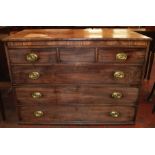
(36, 95)
(121, 56)
(119, 75)
(32, 57)
(114, 114)
(38, 113)
(117, 95)
(34, 75)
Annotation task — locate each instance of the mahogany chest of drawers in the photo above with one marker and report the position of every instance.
(77, 76)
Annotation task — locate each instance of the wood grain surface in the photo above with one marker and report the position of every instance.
(77, 114)
(76, 68)
(69, 74)
(76, 94)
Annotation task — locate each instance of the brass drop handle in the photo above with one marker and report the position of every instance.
(36, 95)
(121, 56)
(38, 113)
(32, 57)
(114, 114)
(117, 95)
(34, 75)
(119, 75)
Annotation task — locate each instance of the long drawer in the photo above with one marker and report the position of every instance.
(76, 94)
(92, 73)
(77, 114)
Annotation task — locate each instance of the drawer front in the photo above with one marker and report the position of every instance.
(68, 74)
(77, 55)
(26, 56)
(79, 94)
(121, 55)
(77, 114)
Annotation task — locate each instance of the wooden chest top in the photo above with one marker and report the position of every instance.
(75, 34)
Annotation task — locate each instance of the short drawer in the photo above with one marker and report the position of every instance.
(77, 114)
(77, 55)
(121, 55)
(69, 74)
(76, 94)
(32, 56)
